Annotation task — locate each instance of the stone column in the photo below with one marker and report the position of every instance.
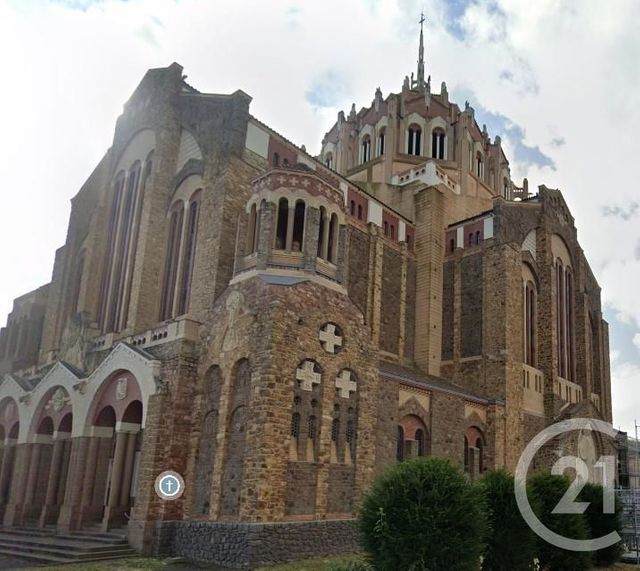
(111, 511)
(32, 479)
(15, 505)
(69, 518)
(128, 469)
(291, 216)
(5, 472)
(325, 236)
(64, 471)
(53, 482)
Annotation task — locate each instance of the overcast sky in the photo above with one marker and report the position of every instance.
(558, 80)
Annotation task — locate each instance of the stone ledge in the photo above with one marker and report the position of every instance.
(244, 545)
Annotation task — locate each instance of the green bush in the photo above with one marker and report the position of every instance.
(511, 545)
(545, 491)
(423, 514)
(601, 524)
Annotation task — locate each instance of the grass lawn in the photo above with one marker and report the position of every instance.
(321, 564)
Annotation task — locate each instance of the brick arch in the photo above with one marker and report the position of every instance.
(117, 391)
(416, 436)
(474, 421)
(54, 404)
(412, 406)
(474, 454)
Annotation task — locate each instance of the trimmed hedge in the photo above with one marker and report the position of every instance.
(546, 490)
(601, 524)
(423, 514)
(511, 545)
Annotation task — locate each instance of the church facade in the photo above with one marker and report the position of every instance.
(278, 328)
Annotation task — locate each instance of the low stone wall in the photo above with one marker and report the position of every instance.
(242, 545)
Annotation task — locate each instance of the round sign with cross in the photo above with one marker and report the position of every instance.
(169, 485)
(331, 338)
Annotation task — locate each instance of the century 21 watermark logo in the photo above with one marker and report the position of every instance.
(567, 504)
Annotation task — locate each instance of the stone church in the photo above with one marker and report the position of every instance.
(278, 328)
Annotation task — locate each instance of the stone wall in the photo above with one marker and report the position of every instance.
(245, 545)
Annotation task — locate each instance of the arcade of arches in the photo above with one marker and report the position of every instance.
(56, 477)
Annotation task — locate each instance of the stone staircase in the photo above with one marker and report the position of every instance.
(47, 546)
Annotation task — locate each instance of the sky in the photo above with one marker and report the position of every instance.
(556, 79)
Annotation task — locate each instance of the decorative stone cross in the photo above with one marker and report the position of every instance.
(345, 385)
(307, 376)
(330, 338)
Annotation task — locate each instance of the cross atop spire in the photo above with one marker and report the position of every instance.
(420, 78)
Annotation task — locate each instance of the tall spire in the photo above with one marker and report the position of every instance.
(420, 78)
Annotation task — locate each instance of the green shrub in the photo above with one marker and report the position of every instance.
(423, 514)
(601, 524)
(545, 491)
(511, 545)
(351, 566)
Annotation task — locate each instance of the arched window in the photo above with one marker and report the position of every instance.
(189, 253)
(276, 160)
(385, 225)
(438, 142)
(333, 239)
(530, 324)
(414, 140)
(180, 257)
(466, 454)
(328, 160)
(283, 222)
(298, 226)
(420, 442)
(359, 211)
(470, 238)
(392, 231)
(252, 228)
(479, 165)
(365, 149)
(479, 448)
(323, 242)
(381, 142)
(352, 208)
(565, 318)
(452, 245)
(473, 451)
(505, 187)
(477, 236)
(171, 263)
(400, 444)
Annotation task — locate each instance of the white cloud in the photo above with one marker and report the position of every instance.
(625, 378)
(561, 71)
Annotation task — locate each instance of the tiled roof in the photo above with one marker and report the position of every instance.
(420, 379)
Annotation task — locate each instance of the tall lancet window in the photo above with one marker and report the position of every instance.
(414, 140)
(381, 142)
(530, 324)
(180, 256)
(438, 148)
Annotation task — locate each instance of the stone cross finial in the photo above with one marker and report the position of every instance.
(344, 384)
(330, 338)
(307, 376)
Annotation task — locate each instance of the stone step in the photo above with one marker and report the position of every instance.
(72, 544)
(60, 553)
(43, 545)
(50, 559)
(105, 537)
